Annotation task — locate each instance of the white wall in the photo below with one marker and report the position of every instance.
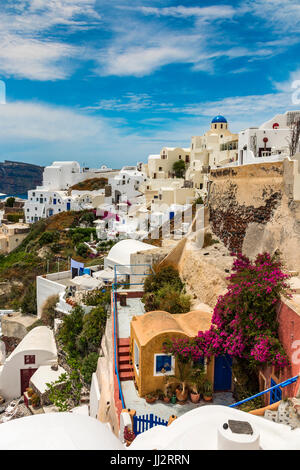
(10, 376)
(94, 396)
(46, 287)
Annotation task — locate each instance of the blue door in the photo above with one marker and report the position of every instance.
(276, 394)
(68, 206)
(223, 373)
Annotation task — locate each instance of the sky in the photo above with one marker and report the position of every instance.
(110, 82)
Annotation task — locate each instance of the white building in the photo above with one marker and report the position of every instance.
(38, 348)
(53, 196)
(269, 142)
(125, 186)
(132, 259)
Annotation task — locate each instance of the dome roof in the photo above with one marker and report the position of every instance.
(121, 251)
(219, 118)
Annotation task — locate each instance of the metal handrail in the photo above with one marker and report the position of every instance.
(283, 384)
(114, 290)
(115, 346)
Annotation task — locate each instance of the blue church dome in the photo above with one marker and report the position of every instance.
(219, 119)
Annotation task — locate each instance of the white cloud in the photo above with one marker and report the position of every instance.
(212, 12)
(26, 51)
(140, 61)
(281, 16)
(34, 59)
(42, 122)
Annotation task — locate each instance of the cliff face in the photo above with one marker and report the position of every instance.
(256, 208)
(18, 178)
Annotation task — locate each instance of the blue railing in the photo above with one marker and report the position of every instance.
(114, 291)
(282, 385)
(116, 345)
(145, 422)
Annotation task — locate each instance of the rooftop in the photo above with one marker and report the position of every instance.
(156, 322)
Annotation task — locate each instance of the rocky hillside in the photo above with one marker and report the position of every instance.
(18, 178)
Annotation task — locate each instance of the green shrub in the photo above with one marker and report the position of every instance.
(82, 250)
(70, 329)
(89, 366)
(168, 299)
(49, 237)
(15, 217)
(93, 328)
(165, 276)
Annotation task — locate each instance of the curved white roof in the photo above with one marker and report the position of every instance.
(39, 338)
(57, 431)
(121, 251)
(197, 430)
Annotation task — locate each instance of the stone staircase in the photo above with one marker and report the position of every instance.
(125, 368)
(288, 412)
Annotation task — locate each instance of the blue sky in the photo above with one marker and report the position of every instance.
(108, 82)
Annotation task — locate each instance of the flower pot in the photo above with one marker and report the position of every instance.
(150, 400)
(167, 399)
(207, 398)
(181, 396)
(128, 443)
(195, 397)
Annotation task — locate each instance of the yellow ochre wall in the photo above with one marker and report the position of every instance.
(146, 381)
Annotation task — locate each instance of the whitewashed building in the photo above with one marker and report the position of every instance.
(125, 186)
(38, 348)
(54, 196)
(269, 142)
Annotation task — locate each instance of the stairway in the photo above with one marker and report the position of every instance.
(287, 413)
(124, 366)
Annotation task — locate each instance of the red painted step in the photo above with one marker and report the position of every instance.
(126, 376)
(124, 366)
(124, 341)
(124, 359)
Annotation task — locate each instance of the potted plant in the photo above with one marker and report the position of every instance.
(197, 383)
(35, 400)
(151, 397)
(168, 395)
(129, 436)
(160, 394)
(207, 391)
(29, 391)
(182, 379)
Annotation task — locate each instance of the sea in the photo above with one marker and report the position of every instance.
(21, 196)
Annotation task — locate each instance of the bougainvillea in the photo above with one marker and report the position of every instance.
(244, 322)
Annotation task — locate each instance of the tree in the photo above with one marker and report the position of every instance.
(10, 202)
(179, 168)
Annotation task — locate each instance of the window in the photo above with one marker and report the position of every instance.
(29, 359)
(136, 357)
(164, 364)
